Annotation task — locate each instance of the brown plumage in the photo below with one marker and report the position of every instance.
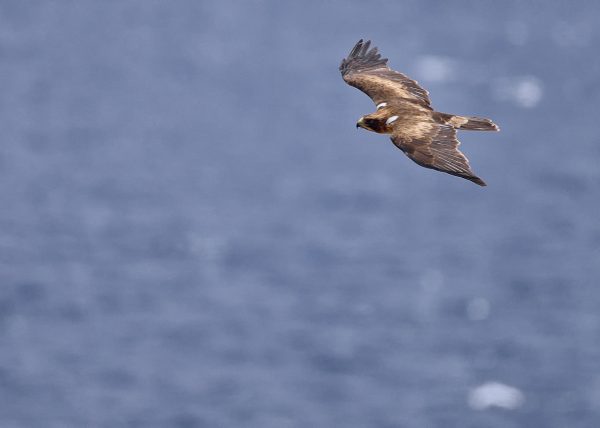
(404, 111)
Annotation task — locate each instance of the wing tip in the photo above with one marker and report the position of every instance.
(362, 57)
(494, 127)
(477, 180)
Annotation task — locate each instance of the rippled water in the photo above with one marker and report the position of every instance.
(194, 234)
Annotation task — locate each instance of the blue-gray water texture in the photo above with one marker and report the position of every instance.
(193, 233)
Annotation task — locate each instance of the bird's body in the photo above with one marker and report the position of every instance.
(404, 111)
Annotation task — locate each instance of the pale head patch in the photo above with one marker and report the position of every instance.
(391, 120)
(381, 105)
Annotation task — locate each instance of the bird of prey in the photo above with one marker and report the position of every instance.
(404, 111)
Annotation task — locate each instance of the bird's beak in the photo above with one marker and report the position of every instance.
(360, 123)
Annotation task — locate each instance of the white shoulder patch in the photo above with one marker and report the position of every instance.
(381, 105)
(391, 119)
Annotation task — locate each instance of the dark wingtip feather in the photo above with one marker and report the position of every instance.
(466, 175)
(361, 58)
(477, 180)
(365, 48)
(356, 48)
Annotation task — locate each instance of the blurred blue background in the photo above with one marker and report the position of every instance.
(194, 234)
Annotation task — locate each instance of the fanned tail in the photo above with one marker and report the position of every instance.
(469, 123)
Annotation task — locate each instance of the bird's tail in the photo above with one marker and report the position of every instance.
(470, 123)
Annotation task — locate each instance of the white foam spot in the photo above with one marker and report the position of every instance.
(435, 68)
(478, 309)
(524, 91)
(528, 92)
(391, 120)
(495, 394)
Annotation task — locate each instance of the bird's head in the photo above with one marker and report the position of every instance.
(373, 122)
(366, 123)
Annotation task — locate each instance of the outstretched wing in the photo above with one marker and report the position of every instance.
(435, 146)
(366, 70)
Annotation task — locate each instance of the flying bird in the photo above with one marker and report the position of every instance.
(404, 111)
